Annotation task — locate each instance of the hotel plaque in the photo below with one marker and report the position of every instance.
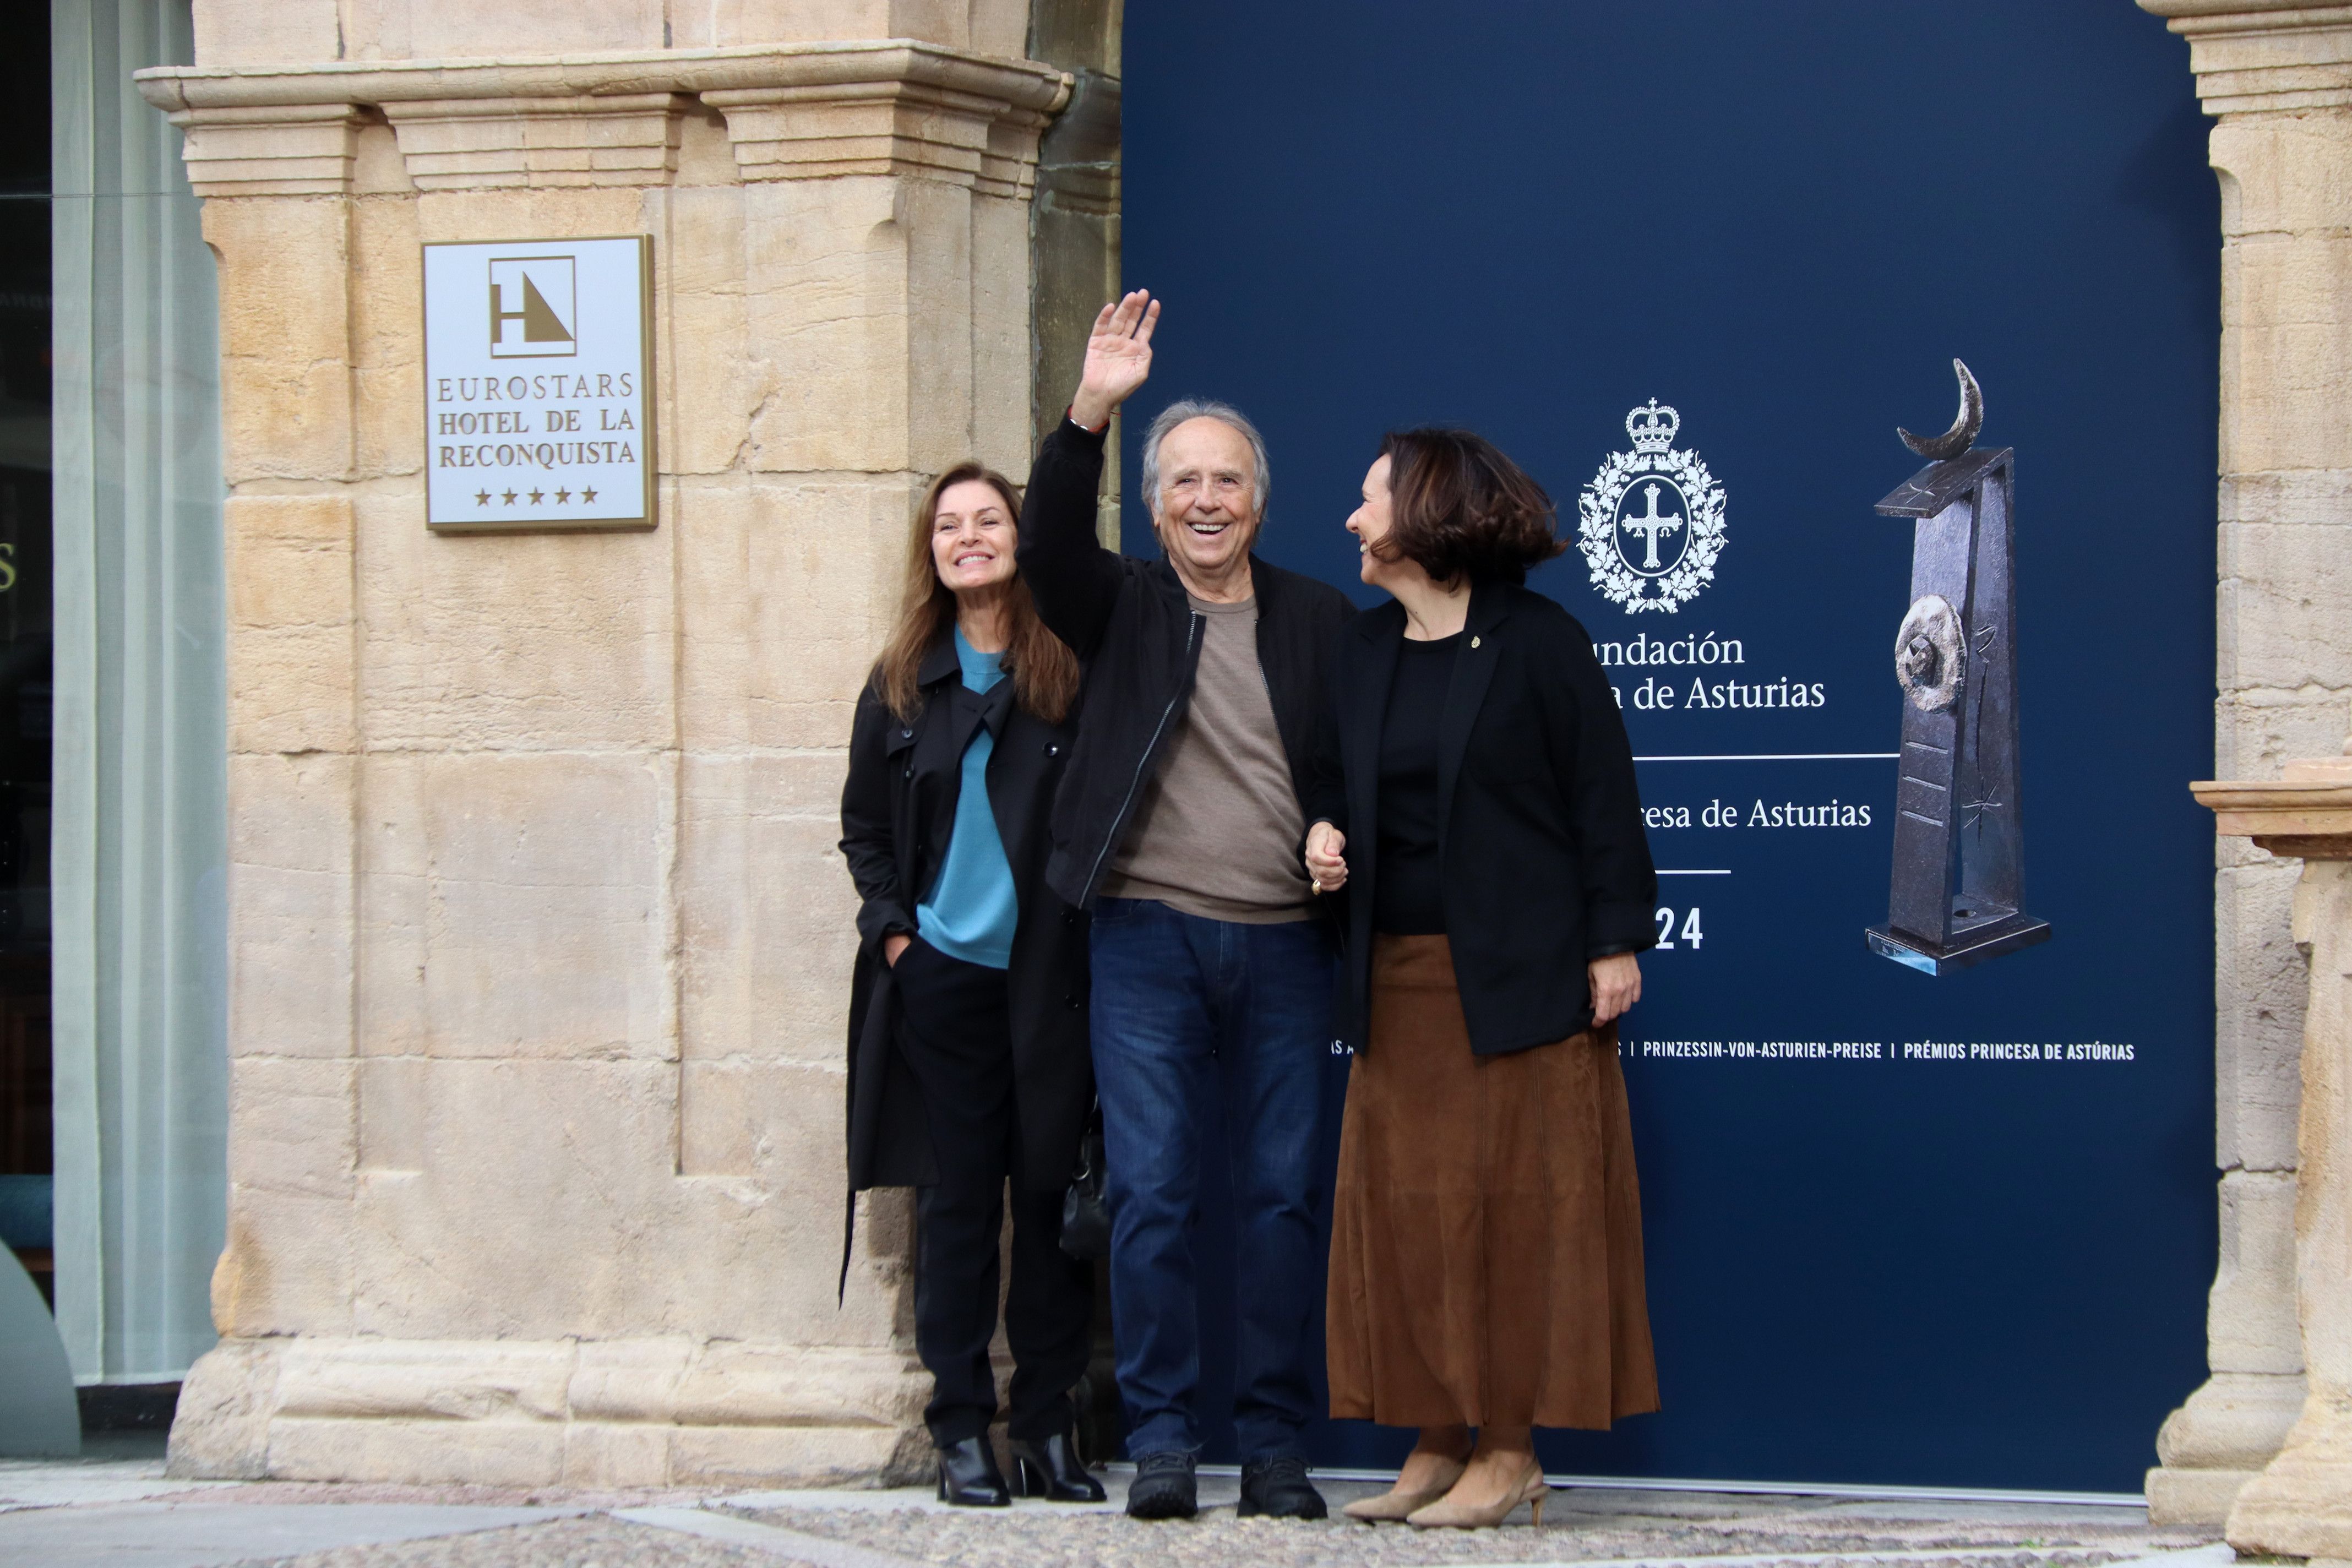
(538, 381)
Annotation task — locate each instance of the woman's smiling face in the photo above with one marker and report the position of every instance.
(1371, 522)
(973, 536)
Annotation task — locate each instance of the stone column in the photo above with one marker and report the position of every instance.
(538, 940)
(2276, 75)
(2301, 1504)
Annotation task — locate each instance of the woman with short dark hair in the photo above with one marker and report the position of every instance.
(968, 1050)
(1479, 809)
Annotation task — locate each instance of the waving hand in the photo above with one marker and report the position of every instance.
(1118, 357)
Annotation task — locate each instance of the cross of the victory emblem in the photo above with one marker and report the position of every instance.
(1650, 525)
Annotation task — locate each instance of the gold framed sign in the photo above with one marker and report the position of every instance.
(539, 385)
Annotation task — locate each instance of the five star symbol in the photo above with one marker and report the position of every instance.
(482, 498)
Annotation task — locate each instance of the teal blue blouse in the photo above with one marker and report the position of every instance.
(972, 908)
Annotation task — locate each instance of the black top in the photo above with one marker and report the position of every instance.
(1133, 629)
(1407, 901)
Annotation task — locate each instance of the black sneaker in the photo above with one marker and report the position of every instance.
(1164, 1488)
(1278, 1488)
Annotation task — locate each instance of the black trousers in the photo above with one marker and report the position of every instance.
(957, 1038)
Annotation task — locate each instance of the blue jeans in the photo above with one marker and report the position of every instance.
(1184, 1007)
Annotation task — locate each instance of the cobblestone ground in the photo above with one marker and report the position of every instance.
(1579, 1527)
(596, 1541)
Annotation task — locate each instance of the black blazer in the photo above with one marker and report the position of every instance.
(1543, 858)
(898, 812)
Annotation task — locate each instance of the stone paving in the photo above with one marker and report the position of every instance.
(1579, 1525)
(118, 1510)
(598, 1540)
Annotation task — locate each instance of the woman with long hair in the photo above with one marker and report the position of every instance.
(968, 1050)
(1486, 1234)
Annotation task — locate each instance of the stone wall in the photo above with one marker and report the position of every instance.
(538, 938)
(2277, 76)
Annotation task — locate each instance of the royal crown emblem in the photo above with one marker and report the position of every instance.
(1652, 520)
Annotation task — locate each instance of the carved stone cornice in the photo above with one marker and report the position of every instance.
(794, 111)
(824, 132)
(2308, 815)
(2252, 56)
(487, 143)
(271, 150)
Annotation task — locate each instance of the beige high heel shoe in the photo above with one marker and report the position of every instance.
(1446, 1515)
(1396, 1505)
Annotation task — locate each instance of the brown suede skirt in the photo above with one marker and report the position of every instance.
(1487, 1233)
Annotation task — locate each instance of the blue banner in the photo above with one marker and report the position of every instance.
(1949, 1230)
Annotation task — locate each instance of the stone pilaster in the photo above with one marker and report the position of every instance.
(2278, 78)
(539, 942)
(2300, 1505)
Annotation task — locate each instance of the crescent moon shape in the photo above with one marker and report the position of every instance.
(1963, 434)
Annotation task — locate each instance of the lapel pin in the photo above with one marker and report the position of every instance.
(1473, 642)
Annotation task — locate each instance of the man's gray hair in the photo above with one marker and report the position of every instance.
(1175, 414)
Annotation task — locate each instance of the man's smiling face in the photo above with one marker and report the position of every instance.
(1208, 511)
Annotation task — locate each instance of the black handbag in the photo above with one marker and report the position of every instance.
(1085, 1217)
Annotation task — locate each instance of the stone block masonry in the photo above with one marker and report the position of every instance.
(538, 939)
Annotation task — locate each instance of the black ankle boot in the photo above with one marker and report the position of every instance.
(969, 1477)
(1049, 1469)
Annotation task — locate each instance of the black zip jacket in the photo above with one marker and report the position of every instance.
(1129, 622)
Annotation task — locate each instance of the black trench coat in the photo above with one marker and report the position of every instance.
(898, 811)
(1541, 849)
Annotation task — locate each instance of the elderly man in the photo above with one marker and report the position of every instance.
(1180, 823)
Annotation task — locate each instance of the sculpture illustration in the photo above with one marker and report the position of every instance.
(1957, 897)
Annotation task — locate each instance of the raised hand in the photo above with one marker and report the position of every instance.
(1118, 357)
